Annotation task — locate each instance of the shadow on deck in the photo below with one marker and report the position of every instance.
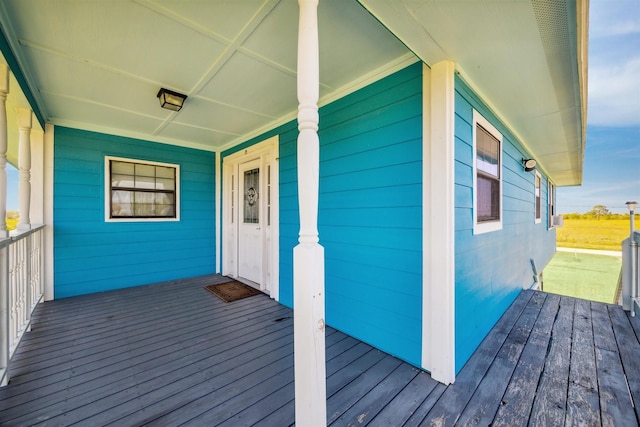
(172, 353)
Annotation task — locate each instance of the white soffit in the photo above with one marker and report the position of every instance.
(521, 56)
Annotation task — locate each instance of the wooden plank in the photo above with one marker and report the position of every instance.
(583, 406)
(231, 369)
(285, 414)
(274, 385)
(160, 350)
(487, 398)
(176, 377)
(337, 344)
(421, 412)
(79, 312)
(127, 317)
(517, 402)
(550, 402)
(348, 373)
(341, 401)
(615, 403)
(149, 382)
(448, 408)
(629, 350)
(129, 338)
(405, 403)
(603, 336)
(378, 397)
(172, 405)
(635, 323)
(141, 324)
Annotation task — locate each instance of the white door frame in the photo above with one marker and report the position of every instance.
(267, 152)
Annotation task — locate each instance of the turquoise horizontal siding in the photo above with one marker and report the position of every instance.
(91, 255)
(370, 212)
(492, 268)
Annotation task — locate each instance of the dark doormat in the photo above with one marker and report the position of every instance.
(232, 291)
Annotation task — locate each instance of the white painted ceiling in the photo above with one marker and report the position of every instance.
(98, 64)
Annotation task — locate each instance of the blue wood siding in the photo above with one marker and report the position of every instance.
(91, 255)
(370, 214)
(492, 268)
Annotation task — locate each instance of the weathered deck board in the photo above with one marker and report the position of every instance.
(517, 402)
(377, 397)
(172, 353)
(447, 409)
(404, 404)
(551, 398)
(584, 407)
(629, 352)
(486, 400)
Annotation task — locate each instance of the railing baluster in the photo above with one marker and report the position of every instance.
(21, 289)
(4, 312)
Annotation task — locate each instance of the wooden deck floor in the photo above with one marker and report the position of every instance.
(172, 353)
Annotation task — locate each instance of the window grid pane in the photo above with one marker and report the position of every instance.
(488, 176)
(142, 190)
(538, 207)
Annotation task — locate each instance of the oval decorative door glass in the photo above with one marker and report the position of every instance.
(251, 196)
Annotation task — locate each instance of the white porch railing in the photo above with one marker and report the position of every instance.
(630, 274)
(21, 289)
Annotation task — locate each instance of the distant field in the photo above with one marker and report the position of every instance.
(606, 234)
(12, 223)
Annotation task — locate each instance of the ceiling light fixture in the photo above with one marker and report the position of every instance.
(171, 100)
(529, 164)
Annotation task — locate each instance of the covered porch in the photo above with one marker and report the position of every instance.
(137, 356)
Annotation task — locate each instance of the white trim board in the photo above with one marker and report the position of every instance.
(438, 311)
(267, 152)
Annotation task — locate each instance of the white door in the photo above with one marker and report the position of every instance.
(250, 221)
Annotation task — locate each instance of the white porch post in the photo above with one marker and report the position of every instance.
(24, 163)
(439, 303)
(48, 210)
(308, 255)
(4, 266)
(4, 91)
(36, 210)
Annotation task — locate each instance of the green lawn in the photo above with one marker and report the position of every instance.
(587, 276)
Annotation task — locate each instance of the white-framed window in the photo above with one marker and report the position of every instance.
(538, 198)
(487, 176)
(140, 190)
(551, 198)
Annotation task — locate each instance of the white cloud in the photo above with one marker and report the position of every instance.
(614, 93)
(614, 63)
(613, 18)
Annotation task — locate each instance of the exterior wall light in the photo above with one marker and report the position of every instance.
(171, 100)
(529, 164)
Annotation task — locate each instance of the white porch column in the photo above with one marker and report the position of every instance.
(48, 210)
(439, 244)
(4, 91)
(37, 177)
(24, 164)
(308, 255)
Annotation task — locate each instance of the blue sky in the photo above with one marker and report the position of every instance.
(612, 157)
(12, 188)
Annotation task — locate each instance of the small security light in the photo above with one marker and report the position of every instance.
(529, 164)
(171, 100)
(632, 206)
